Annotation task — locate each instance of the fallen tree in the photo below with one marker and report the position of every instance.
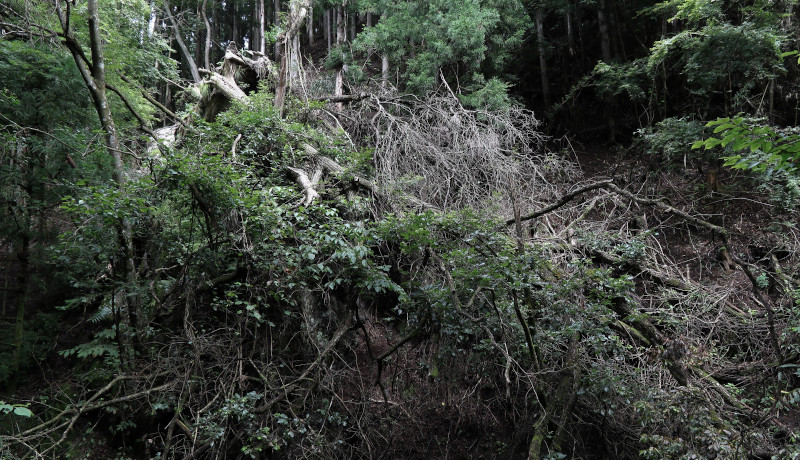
(280, 317)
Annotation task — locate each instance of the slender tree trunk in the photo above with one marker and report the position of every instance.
(605, 39)
(328, 32)
(198, 34)
(353, 25)
(772, 100)
(207, 50)
(542, 57)
(289, 74)
(181, 45)
(341, 23)
(340, 39)
(95, 80)
(384, 70)
(570, 34)
(253, 34)
(310, 23)
(369, 18)
(235, 24)
(262, 25)
(277, 9)
(605, 47)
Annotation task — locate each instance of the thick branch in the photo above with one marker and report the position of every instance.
(309, 193)
(564, 200)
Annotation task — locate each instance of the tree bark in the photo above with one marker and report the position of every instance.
(262, 43)
(353, 25)
(95, 80)
(235, 24)
(184, 50)
(327, 25)
(384, 70)
(605, 39)
(542, 57)
(570, 34)
(207, 50)
(290, 73)
(198, 34)
(340, 39)
(310, 23)
(277, 21)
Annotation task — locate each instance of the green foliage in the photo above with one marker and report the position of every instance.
(490, 95)
(629, 78)
(671, 138)
(20, 410)
(754, 145)
(129, 49)
(719, 57)
(680, 426)
(462, 39)
(41, 88)
(694, 12)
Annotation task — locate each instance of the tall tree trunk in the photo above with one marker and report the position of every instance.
(310, 23)
(235, 24)
(253, 33)
(328, 32)
(384, 70)
(605, 39)
(542, 57)
(198, 34)
(369, 18)
(570, 33)
(605, 47)
(772, 100)
(341, 23)
(262, 42)
(95, 80)
(181, 45)
(207, 50)
(340, 39)
(289, 74)
(277, 11)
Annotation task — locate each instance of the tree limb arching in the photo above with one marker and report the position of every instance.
(184, 50)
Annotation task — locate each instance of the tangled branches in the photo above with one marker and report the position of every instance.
(454, 157)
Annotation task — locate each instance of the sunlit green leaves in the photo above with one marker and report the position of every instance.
(753, 145)
(20, 410)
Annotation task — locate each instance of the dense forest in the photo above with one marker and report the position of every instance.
(283, 229)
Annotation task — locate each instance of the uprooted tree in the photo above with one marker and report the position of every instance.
(401, 277)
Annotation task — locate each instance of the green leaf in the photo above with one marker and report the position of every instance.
(712, 142)
(23, 411)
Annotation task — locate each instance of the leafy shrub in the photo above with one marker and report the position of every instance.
(671, 139)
